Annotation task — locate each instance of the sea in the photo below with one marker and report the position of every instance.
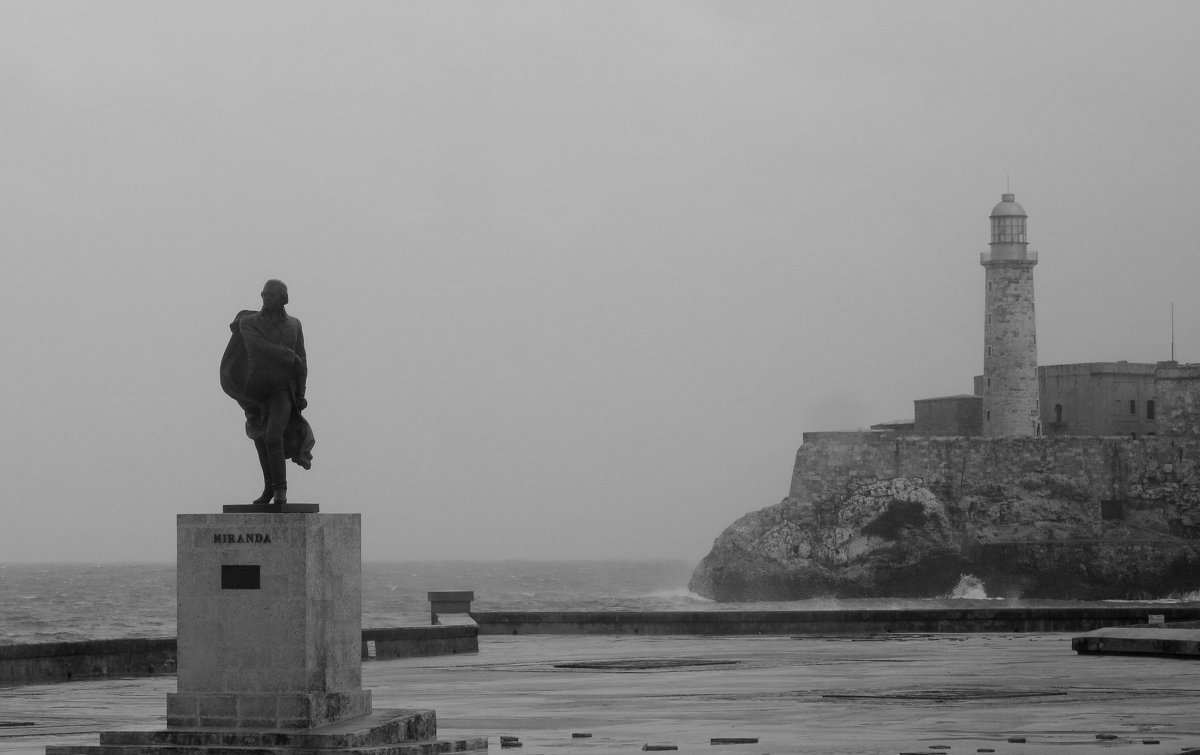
(73, 601)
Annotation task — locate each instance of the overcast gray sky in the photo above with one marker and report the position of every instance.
(574, 276)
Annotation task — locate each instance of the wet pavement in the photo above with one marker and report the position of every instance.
(939, 693)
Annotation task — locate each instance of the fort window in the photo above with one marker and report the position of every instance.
(1133, 407)
(1111, 511)
(1150, 409)
(1058, 414)
(988, 415)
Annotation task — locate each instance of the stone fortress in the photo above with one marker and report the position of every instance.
(1065, 481)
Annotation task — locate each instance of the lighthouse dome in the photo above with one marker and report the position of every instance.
(1008, 207)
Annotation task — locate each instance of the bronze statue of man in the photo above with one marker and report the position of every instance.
(265, 369)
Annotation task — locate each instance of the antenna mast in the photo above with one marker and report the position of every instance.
(1172, 331)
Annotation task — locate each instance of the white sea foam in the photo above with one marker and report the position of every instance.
(679, 597)
(970, 587)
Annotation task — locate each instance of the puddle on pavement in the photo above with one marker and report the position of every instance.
(645, 664)
(945, 695)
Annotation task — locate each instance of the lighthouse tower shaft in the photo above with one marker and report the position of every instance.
(1010, 382)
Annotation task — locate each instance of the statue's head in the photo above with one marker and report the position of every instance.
(274, 294)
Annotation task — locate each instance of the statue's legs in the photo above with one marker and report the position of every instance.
(279, 409)
(260, 446)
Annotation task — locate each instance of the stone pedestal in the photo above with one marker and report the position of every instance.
(270, 646)
(270, 621)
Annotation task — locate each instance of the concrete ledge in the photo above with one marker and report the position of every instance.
(416, 641)
(821, 622)
(456, 620)
(38, 663)
(64, 661)
(1175, 642)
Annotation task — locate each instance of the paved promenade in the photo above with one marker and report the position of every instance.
(961, 693)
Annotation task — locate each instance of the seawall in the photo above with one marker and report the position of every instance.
(66, 661)
(37, 663)
(832, 622)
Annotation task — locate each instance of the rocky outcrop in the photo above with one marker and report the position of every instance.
(873, 515)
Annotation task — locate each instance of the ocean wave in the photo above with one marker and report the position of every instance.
(970, 587)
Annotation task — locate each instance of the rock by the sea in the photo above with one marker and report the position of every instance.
(873, 515)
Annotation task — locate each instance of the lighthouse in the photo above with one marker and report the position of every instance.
(1010, 381)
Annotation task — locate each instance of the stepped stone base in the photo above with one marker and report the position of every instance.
(383, 732)
(264, 710)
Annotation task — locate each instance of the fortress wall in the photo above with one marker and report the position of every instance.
(950, 415)
(1098, 468)
(1178, 389)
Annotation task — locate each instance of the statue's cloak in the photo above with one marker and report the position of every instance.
(298, 439)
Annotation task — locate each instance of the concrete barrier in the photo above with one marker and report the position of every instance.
(412, 642)
(459, 633)
(63, 661)
(38, 663)
(834, 622)
(1175, 641)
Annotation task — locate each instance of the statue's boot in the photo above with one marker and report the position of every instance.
(268, 492)
(280, 494)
